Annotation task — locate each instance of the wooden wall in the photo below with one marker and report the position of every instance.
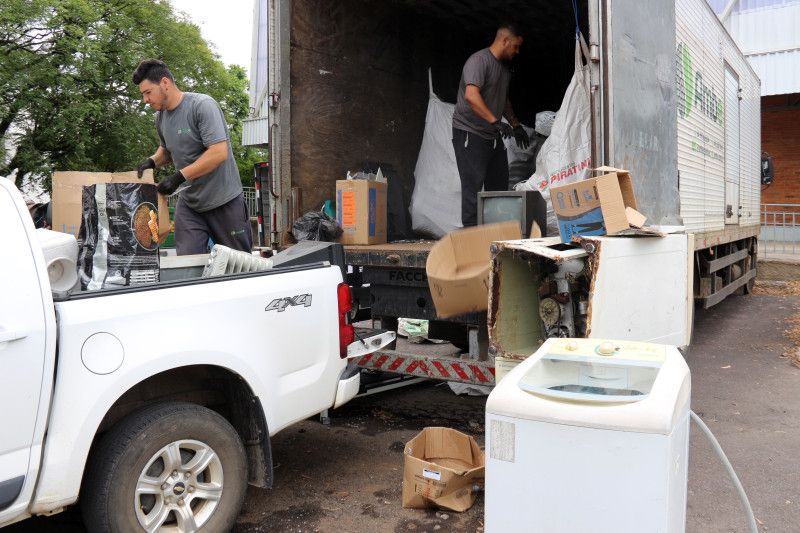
(356, 94)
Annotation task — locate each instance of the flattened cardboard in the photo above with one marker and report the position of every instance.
(440, 467)
(361, 211)
(67, 198)
(635, 218)
(458, 267)
(596, 206)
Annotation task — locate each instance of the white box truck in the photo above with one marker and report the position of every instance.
(674, 101)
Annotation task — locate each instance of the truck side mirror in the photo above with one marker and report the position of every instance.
(767, 171)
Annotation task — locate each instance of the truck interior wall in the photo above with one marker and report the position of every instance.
(359, 83)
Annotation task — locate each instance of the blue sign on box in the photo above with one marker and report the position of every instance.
(588, 223)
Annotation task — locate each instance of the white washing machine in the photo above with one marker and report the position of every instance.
(589, 435)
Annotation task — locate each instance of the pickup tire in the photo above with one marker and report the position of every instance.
(173, 465)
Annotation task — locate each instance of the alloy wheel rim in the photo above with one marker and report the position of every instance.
(179, 488)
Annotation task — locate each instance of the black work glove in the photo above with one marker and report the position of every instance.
(521, 136)
(144, 165)
(502, 129)
(170, 184)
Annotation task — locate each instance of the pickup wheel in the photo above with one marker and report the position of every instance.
(175, 467)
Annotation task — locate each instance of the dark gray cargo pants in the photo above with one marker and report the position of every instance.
(482, 164)
(227, 224)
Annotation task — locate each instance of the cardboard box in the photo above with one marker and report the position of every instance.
(441, 466)
(458, 268)
(361, 211)
(67, 198)
(602, 205)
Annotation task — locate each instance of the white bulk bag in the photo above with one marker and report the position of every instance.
(436, 201)
(566, 155)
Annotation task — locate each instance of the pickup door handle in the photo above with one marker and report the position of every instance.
(8, 335)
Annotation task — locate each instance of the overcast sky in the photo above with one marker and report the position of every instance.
(227, 25)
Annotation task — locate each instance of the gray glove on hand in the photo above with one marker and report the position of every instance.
(502, 129)
(144, 165)
(521, 136)
(170, 184)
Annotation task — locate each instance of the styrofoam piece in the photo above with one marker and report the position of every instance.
(224, 260)
(61, 255)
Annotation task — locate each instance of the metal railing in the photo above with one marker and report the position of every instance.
(249, 199)
(780, 230)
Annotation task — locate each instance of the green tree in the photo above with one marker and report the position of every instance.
(67, 101)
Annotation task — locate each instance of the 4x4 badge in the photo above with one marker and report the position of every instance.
(280, 304)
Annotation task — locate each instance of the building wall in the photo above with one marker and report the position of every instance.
(768, 33)
(780, 137)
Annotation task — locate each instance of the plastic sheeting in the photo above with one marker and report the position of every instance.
(565, 156)
(522, 161)
(544, 122)
(316, 226)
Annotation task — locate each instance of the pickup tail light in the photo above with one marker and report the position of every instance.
(346, 333)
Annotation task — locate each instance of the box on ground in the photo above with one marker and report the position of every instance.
(441, 467)
(361, 211)
(68, 198)
(596, 206)
(458, 268)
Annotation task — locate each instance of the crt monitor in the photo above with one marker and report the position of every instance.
(524, 206)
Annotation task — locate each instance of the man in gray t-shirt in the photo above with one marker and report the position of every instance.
(477, 127)
(194, 137)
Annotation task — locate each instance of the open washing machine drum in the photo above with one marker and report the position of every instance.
(591, 372)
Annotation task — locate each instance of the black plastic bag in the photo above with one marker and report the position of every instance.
(118, 236)
(316, 226)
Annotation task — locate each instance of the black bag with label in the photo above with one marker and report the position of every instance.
(118, 236)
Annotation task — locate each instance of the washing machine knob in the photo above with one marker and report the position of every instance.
(606, 348)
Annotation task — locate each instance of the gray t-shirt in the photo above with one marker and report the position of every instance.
(492, 77)
(185, 132)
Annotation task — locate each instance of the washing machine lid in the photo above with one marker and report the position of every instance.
(618, 385)
(595, 372)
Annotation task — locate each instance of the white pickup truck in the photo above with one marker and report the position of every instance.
(154, 405)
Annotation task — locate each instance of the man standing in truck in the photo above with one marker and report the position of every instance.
(194, 136)
(478, 130)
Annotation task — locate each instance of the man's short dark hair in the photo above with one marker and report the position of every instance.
(512, 28)
(151, 70)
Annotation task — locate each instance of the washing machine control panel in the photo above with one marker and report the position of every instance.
(594, 370)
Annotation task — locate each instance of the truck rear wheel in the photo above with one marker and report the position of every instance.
(168, 467)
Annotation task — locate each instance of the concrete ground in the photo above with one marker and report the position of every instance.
(346, 477)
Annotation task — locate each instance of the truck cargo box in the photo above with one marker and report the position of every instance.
(346, 81)
(674, 101)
